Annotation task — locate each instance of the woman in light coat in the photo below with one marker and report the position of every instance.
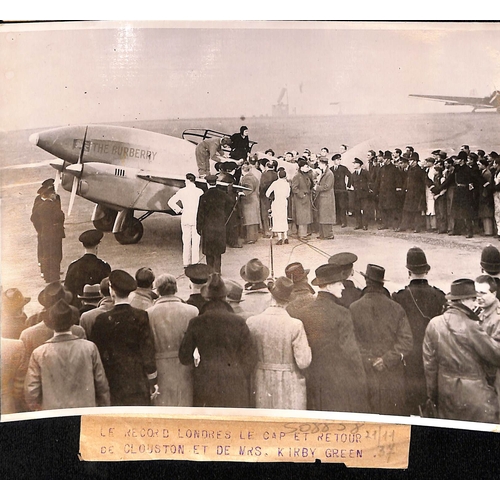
(280, 188)
(283, 351)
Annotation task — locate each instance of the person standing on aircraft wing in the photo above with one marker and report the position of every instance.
(189, 197)
(240, 148)
(210, 149)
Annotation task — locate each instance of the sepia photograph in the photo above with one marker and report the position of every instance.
(282, 219)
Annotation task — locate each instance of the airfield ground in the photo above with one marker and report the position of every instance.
(450, 257)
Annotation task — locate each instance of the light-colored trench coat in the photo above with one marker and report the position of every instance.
(169, 319)
(283, 350)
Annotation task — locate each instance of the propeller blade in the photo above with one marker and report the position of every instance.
(80, 158)
(74, 187)
(57, 181)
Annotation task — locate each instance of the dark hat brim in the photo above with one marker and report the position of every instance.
(263, 276)
(378, 280)
(450, 296)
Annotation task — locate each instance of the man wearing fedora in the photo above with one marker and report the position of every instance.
(421, 302)
(90, 298)
(283, 352)
(387, 188)
(87, 318)
(41, 331)
(13, 316)
(235, 297)
(65, 372)
(125, 342)
(456, 353)
(302, 293)
(490, 264)
(88, 269)
(362, 191)
(335, 379)
(219, 346)
(385, 339)
(256, 293)
(169, 318)
(350, 293)
(214, 210)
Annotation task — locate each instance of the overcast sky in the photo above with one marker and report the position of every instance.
(70, 73)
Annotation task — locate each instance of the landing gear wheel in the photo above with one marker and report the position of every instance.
(106, 223)
(131, 234)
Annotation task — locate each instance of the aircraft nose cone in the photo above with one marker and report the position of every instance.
(34, 139)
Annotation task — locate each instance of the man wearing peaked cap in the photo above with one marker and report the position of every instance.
(88, 269)
(48, 220)
(454, 360)
(126, 344)
(345, 261)
(385, 339)
(65, 372)
(421, 302)
(198, 276)
(283, 351)
(335, 378)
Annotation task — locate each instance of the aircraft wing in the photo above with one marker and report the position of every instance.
(196, 135)
(477, 102)
(179, 181)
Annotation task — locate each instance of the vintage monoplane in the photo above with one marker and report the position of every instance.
(122, 170)
(489, 102)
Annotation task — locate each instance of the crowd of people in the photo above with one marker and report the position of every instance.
(104, 337)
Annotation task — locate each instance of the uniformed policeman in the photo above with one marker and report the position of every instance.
(88, 269)
(345, 261)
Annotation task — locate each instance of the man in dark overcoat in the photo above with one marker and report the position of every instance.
(48, 220)
(88, 269)
(126, 345)
(219, 346)
(415, 203)
(335, 379)
(462, 205)
(301, 187)
(386, 190)
(324, 201)
(360, 181)
(421, 302)
(214, 211)
(385, 339)
(342, 179)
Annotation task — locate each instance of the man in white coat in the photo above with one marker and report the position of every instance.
(189, 197)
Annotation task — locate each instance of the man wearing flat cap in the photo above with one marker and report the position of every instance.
(123, 336)
(350, 293)
(65, 372)
(214, 212)
(385, 339)
(421, 302)
(283, 352)
(48, 221)
(456, 352)
(335, 378)
(88, 269)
